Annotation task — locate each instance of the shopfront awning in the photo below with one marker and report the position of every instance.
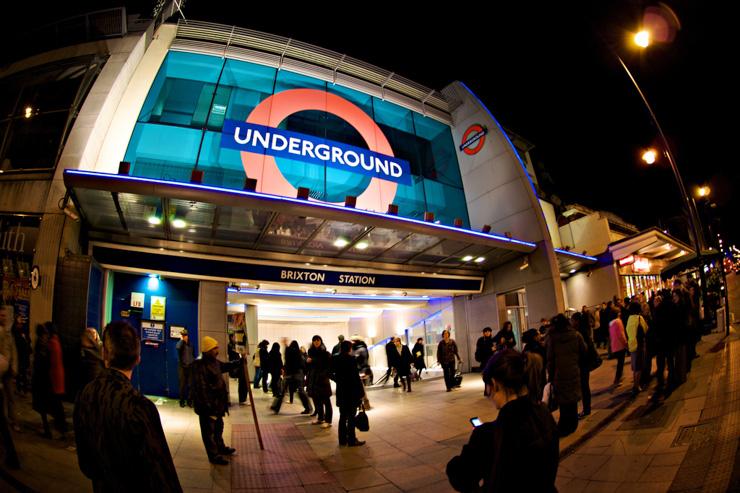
(189, 213)
(570, 262)
(689, 262)
(652, 244)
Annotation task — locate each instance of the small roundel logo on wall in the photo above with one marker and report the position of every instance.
(473, 139)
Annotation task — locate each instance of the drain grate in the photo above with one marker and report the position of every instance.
(699, 435)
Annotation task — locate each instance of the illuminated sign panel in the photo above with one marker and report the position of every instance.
(250, 137)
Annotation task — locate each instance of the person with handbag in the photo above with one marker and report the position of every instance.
(519, 451)
(446, 355)
(637, 329)
(592, 361)
(483, 351)
(350, 393)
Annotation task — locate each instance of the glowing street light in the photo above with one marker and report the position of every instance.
(642, 39)
(703, 192)
(650, 156)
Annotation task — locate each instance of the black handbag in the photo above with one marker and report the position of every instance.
(361, 421)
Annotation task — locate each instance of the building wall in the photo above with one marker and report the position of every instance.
(552, 223)
(589, 290)
(590, 234)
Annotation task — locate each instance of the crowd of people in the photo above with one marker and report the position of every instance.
(116, 428)
(552, 370)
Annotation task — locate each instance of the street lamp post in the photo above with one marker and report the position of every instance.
(643, 40)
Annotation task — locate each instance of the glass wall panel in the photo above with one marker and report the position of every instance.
(180, 123)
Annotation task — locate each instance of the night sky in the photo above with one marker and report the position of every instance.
(546, 72)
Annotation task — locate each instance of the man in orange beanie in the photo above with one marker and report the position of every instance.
(211, 399)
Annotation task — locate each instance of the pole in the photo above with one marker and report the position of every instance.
(251, 402)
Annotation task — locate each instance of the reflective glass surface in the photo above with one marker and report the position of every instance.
(179, 129)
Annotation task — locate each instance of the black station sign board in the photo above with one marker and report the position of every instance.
(225, 269)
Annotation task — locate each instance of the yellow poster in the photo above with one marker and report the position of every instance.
(157, 307)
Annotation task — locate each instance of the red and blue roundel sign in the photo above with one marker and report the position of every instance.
(260, 141)
(473, 139)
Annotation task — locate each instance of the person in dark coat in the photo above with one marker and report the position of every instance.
(504, 338)
(566, 350)
(483, 352)
(517, 452)
(392, 356)
(91, 357)
(295, 369)
(23, 348)
(41, 378)
(121, 446)
(275, 367)
(537, 371)
(350, 392)
(362, 356)
(319, 388)
(211, 400)
(665, 342)
(403, 363)
(446, 355)
(418, 354)
(264, 362)
(234, 355)
(185, 361)
(582, 325)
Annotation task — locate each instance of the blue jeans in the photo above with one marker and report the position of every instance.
(257, 377)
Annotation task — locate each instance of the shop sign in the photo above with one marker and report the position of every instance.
(157, 307)
(627, 261)
(641, 265)
(137, 300)
(224, 269)
(152, 331)
(259, 139)
(473, 139)
(261, 142)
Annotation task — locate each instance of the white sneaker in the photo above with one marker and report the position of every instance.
(325, 425)
(317, 422)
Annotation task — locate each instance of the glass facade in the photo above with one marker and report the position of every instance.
(179, 129)
(37, 109)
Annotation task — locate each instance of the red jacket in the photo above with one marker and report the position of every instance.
(56, 370)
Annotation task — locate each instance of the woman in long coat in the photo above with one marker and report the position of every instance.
(566, 351)
(418, 353)
(319, 387)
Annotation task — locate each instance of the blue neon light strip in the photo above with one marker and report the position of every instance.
(277, 198)
(297, 294)
(573, 254)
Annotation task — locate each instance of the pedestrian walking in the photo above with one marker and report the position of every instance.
(362, 357)
(582, 325)
(319, 388)
(6, 439)
(403, 363)
(121, 446)
(665, 341)
(9, 351)
(23, 350)
(637, 329)
(338, 347)
(504, 338)
(264, 356)
(91, 357)
(566, 350)
(617, 343)
(350, 393)
(447, 355)
(392, 357)
(257, 366)
(518, 451)
(234, 355)
(536, 363)
(295, 370)
(56, 373)
(418, 353)
(211, 399)
(483, 352)
(185, 359)
(275, 367)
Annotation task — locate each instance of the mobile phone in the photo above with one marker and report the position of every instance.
(475, 421)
